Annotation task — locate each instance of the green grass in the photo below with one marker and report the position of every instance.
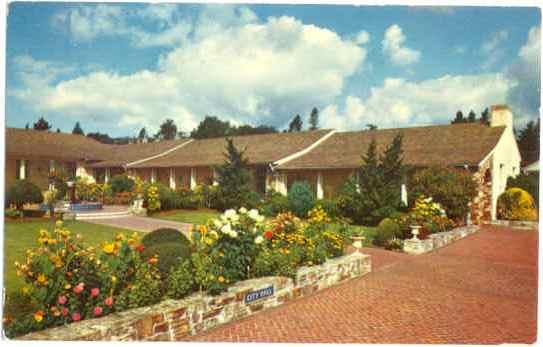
(366, 231)
(21, 235)
(200, 216)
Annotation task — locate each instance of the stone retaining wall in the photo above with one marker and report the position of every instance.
(172, 320)
(438, 240)
(517, 224)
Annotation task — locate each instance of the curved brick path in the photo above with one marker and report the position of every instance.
(482, 289)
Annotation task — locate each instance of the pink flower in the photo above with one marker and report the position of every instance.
(95, 292)
(108, 301)
(76, 316)
(97, 311)
(64, 311)
(62, 300)
(79, 288)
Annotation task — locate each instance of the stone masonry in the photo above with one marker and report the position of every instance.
(437, 240)
(176, 319)
(481, 205)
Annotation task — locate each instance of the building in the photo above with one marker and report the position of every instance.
(324, 158)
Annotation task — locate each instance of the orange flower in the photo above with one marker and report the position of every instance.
(38, 316)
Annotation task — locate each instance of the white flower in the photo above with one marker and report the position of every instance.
(217, 223)
(260, 219)
(242, 210)
(226, 229)
(230, 213)
(234, 218)
(233, 234)
(253, 214)
(259, 239)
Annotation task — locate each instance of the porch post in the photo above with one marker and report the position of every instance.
(106, 178)
(215, 175)
(280, 183)
(320, 190)
(22, 169)
(153, 175)
(192, 178)
(172, 178)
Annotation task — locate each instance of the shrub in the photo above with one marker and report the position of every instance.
(516, 204)
(300, 198)
(88, 191)
(152, 197)
(528, 182)
(12, 213)
(387, 230)
(143, 291)
(453, 189)
(330, 206)
(181, 280)
(278, 262)
(23, 192)
(164, 235)
(273, 204)
(170, 246)
(167, 197)
(189, 199)
(121, 184)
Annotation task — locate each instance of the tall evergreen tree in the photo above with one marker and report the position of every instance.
(314, 119)
(370, 126)
(77, 129)
(42, 125)
(459, 118)
(233, 177)
(168, 130)
(528, 142)
(142, 136)
(485, 117)
(58, 130)
(27, 126)
(296, 124)
(472, 117)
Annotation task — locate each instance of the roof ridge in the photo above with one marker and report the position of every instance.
(160, 154)
(305, 150)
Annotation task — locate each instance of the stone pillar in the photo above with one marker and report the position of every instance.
(153, 175)
(22, 169)
(172, 178)
(320, 190)
(107, 176)
(193, 181)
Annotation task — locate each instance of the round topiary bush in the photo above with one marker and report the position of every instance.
(516, 204)
(121, 184)
(23, 192)
(300, 199)
(170, 245)
(386, 231)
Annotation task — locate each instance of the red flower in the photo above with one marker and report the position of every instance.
(76, 316)
(97, 311)
(62, 299)
(79, 288)
(268, 234)
(140, 248)
(108, 301)
(95, 292)
(64, 311)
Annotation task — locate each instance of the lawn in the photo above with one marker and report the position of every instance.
(200, 216)
(21, 235)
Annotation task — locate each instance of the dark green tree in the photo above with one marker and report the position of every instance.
(168, 130)
(42, 125)
(459, 118)
(371, 126)
(485, 117)
(27, 126)
(77, 129)
(296, 124)
(233, 177)
(250, 130)
(211, 127)
(472, 117)
(142, 136)
(314, 119)
(58, 130)
(528, 142)
(104, 138)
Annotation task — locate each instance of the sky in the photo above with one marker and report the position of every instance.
(116, 68)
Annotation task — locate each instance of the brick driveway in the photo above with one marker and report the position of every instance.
(482, 289)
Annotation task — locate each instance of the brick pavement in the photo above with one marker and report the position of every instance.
(481, 289)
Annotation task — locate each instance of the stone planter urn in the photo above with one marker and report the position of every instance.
(357, 242)
(415, 231)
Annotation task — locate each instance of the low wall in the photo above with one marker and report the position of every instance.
(517, 224)
(172, 320)
(438, 240)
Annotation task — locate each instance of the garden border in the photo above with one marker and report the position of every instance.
(437, 240)
(172, 320)
(517, 224)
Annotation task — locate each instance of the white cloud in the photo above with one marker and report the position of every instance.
(362, 38)
(493, 50)
(459, 50)
(394, 48)
(495, 40)
(245, 71)
(530, 52)
(400, 103)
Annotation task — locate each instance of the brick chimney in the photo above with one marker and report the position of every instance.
(501, 115)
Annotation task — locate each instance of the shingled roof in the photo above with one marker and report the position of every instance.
(442, 145)
(43, 144)
(260, 149)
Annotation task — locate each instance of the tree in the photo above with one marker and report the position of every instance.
(27, 126)
(77, 129)
(528, 142)
(296, 124)
(459, 118)
(371, 126)
(23, 192)
(58, 130)
(484, 117)
(472, 117)
(142, 136)
(168, 130)
(250, 130)
(211, 127)
(314, 119)
(42, 125)
(103, 138)
(234, 178)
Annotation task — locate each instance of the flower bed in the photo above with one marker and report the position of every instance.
(438, 240)
(176, 319)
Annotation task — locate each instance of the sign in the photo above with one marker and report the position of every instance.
(258, 294)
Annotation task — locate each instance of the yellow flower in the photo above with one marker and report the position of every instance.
(38, 316)
(113, 279)
(25, 290)
(58, 224)
(221, 279)
(120, 237)
(68, 286)
(42, 279)
(109, 248)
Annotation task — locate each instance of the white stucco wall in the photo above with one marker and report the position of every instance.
(505, 162)
(84, 172)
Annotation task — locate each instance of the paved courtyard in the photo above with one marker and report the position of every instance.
(145, 224)
(482, 289)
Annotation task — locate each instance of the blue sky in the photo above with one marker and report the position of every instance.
(119, 67)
